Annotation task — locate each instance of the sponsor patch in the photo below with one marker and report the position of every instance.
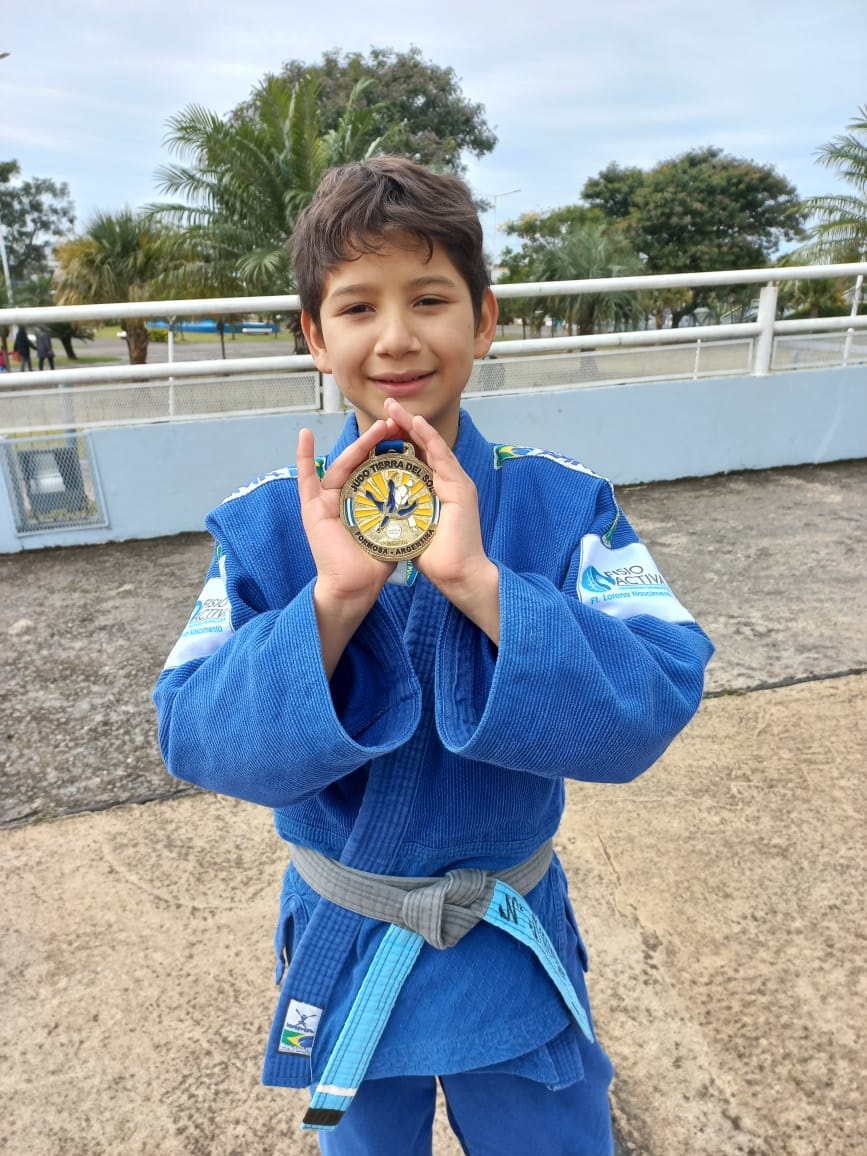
(299, 1028)
(505, 453)
(625, 582)
(209, 625)
(274, 476)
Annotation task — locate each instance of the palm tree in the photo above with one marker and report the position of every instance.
(839, 229)
(119, 257)
(588, 251)
(809, 298)
(241, 186)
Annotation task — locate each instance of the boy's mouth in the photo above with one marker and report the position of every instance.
(398, 383)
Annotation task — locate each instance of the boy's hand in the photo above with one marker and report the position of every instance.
(348, 581)
(455, 561)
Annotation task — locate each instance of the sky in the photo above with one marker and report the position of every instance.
(568, 86)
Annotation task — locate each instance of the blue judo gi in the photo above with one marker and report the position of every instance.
(431, 749)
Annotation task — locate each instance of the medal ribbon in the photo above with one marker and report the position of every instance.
(405, 574)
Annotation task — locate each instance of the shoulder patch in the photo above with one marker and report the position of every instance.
(506, 453)
(274, 476)
(209, 625)
(625, 582)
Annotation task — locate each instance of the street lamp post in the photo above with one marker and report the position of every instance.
(496, 197)
(5, 261)
(3, 256)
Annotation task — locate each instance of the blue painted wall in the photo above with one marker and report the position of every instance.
(161, 479)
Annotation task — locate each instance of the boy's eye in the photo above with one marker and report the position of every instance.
(431, 301)
(359, 307)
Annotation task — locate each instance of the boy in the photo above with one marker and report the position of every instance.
(412, 722)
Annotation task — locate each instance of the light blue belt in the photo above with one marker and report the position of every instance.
(438, 911)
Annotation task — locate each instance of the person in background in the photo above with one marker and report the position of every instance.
(44, 348)
(22, 347)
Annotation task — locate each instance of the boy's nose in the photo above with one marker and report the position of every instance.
(396, 335)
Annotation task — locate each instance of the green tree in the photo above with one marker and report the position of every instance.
(700, 211)
(417, 107)
(537, 229)
(67, 331)
(838, 229)
(812, 298)
(35, 214)
(589, 252)
(515, 269)
(242, 184)
(614, 190)
(119, 257)
(37, 291)
(569, 244)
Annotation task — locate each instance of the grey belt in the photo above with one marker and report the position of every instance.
(441, 909)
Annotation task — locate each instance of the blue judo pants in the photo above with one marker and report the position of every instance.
(491, 1115)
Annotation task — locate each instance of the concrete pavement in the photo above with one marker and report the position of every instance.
(721, 895)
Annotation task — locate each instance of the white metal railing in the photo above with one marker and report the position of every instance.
(83, 407)
(698, 340)
(198, 307)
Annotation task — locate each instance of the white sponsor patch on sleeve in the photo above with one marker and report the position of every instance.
(209, 626)
(625, 582)
(273, 476)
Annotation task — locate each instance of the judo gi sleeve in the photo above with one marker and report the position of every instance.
(594, 675)
(245, 708)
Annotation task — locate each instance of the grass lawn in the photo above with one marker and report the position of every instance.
(85, 359)
(111, 331)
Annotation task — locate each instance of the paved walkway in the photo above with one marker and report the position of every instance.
(721, 894)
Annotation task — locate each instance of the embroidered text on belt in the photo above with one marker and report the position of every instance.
(439, 911)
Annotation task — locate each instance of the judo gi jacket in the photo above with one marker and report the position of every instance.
(430, 748)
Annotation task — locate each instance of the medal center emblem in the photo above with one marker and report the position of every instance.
(389, 505)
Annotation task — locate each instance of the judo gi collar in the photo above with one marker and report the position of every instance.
(473, 451)
(378, 831)
(469, 443)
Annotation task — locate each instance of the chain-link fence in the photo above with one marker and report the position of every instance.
(68, 409)
(600, 366)
(51, 482)
(816, 350)
(183, 398)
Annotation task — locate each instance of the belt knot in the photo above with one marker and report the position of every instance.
(443, 912)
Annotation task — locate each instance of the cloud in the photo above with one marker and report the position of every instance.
(569, 87)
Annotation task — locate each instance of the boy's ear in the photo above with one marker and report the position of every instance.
(315, 342)
(486, 330)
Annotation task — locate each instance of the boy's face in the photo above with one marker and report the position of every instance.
(395, 324)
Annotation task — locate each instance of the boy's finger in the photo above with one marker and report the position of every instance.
(308, 482)
(439, 456)
(398, 414)
(354, 454)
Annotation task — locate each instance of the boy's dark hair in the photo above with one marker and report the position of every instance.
(359, 207)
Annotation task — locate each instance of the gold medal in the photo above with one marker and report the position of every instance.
(389, 505)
